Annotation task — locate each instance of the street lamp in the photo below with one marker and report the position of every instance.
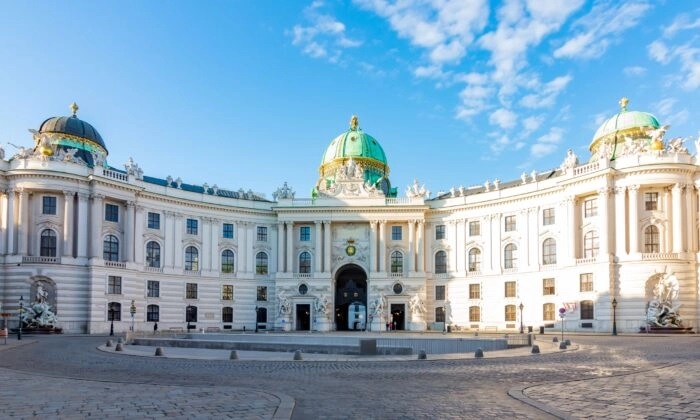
(256, 318)
(521, 317)
(188, 315)
(614, 305)
(111, 318)
(132, 310)
(21, 308)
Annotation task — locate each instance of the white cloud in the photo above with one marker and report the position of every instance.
(687, 55)
(532, 123)
(547, 143)
(504, 118)
(547, 94)
(634, 71)
(658, 52)
(325, 37)
(682, 22)
(665, 110)
(600, 27)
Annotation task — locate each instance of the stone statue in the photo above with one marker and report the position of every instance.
(22, 152)
(379, 306)
(523, 178)
(2, 153)
(283, 304)
(672, 289)
(283, 193)
(663, 307)
(321, 305)
(676, 145)
(487, 186)
(448, 311)
(42, 295)
(416, 190)
(533, 175)
(416, 305)
(570, 161)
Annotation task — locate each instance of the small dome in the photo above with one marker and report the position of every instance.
(72, 126)
(633, 124)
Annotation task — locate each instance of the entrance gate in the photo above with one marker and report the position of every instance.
(350, 298)
(303, 317)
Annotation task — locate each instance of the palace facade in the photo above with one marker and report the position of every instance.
(110, 245)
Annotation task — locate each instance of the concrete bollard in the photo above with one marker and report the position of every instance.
(234, 355)
(479, 353)
(555, 340)
(535, 349)
(567, 342)
(297, 355)
(562, 346)
(119, 347)
(422, 355)
(476, 334)
(159, 351)
(109, 343)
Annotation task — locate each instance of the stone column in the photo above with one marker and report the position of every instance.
(177, 251)
(280, 247)
(10, 221)
(460, 247)
(373, 246)
(327, 246)
(452, 251)
(290, 247)
(525, 253)
(620, 222)
(573, 227)
(689, 217)
(496, 227)
(251, 237)
(68, 233)
(241, 229)
(382, 246)
(205, 259)
(96, 215)
(129, 232)
(410, 268)
(23, 223)
(139, 221)
(82, 227)
(420, 257)
(634, 218)
(677, 221)
(214, 244)
(603, 222)
(3, 222)
(317, 246)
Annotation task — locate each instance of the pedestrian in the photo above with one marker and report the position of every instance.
(155, 328)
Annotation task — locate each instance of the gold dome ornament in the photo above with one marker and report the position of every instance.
(45, 147)
(74, 108)
(354, 123)
(657, 145)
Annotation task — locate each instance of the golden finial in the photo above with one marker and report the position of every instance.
(354, 122)
(74, 107)
(623, 103)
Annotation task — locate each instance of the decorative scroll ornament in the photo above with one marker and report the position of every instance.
(283, 193)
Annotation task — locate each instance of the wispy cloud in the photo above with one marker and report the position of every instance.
(547, 94)
(599, 28)
(324, 36)
(504, 118)
(686, 55)
(547, 144)
(634, 71)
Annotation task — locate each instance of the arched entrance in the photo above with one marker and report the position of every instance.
(350, 298)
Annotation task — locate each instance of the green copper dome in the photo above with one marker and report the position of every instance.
(632, 124)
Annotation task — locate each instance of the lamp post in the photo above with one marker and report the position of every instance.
(132, 310)
(21, 308)
(521, 317)
(256, 318)
(614, 305)
(188, 315)
(111, 318)
(562, 315)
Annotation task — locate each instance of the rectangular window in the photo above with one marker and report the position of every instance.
(228, 231)
(474, 229)
(305, 233)
(510, 289)
(227, 292)
(587, 309)
(439, 292)
(474, 314)
(153, 288)
(262, 234)
(586, 282)
(227, 314)
(548, 312)
(440, 314)
(474, 291)
(548, 217)
(439, 232)
(114, 285)
(191, 291)
(547, 286)
(49, 205)
(510, 223)
(153, 220)
(590, 207)
(262, 294)
(192, 226)
(396, 233)
(152, 313)
(510, 313)
(111, 213)
(651, 201)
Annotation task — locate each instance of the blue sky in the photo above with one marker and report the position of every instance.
(248, 94)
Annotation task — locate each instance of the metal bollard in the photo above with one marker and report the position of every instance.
(422, 355)
(562, 345)
(535, 349)
(479, 353)
(555, 340)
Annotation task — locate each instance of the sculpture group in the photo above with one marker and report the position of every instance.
(663, 308)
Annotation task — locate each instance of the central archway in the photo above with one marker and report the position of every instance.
(350, 298)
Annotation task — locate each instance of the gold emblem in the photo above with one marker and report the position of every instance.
(350, 250)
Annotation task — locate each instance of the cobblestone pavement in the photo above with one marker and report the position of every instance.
(469, 388)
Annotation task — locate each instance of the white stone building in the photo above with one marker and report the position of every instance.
(492, 257)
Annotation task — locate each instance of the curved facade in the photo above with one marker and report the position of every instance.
(492, 257)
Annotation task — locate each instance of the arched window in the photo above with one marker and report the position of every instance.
(590, 244)
(227, 314)
(587, 309)
(510, 256)
(48, 243)
(305, 262)
(474, 260)
(153, 254)
(191, 259)
(548, 312)
(549, 251)
(474, 314)
(114, 311)
(396, 262)
(261, 263)
(651, 239)
(440, 262)
(227, 264)
(510, 313)
(152, 313)
(110, 248)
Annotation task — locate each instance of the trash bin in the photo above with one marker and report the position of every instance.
(542, 330)
(449, 328)
(529, 328)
